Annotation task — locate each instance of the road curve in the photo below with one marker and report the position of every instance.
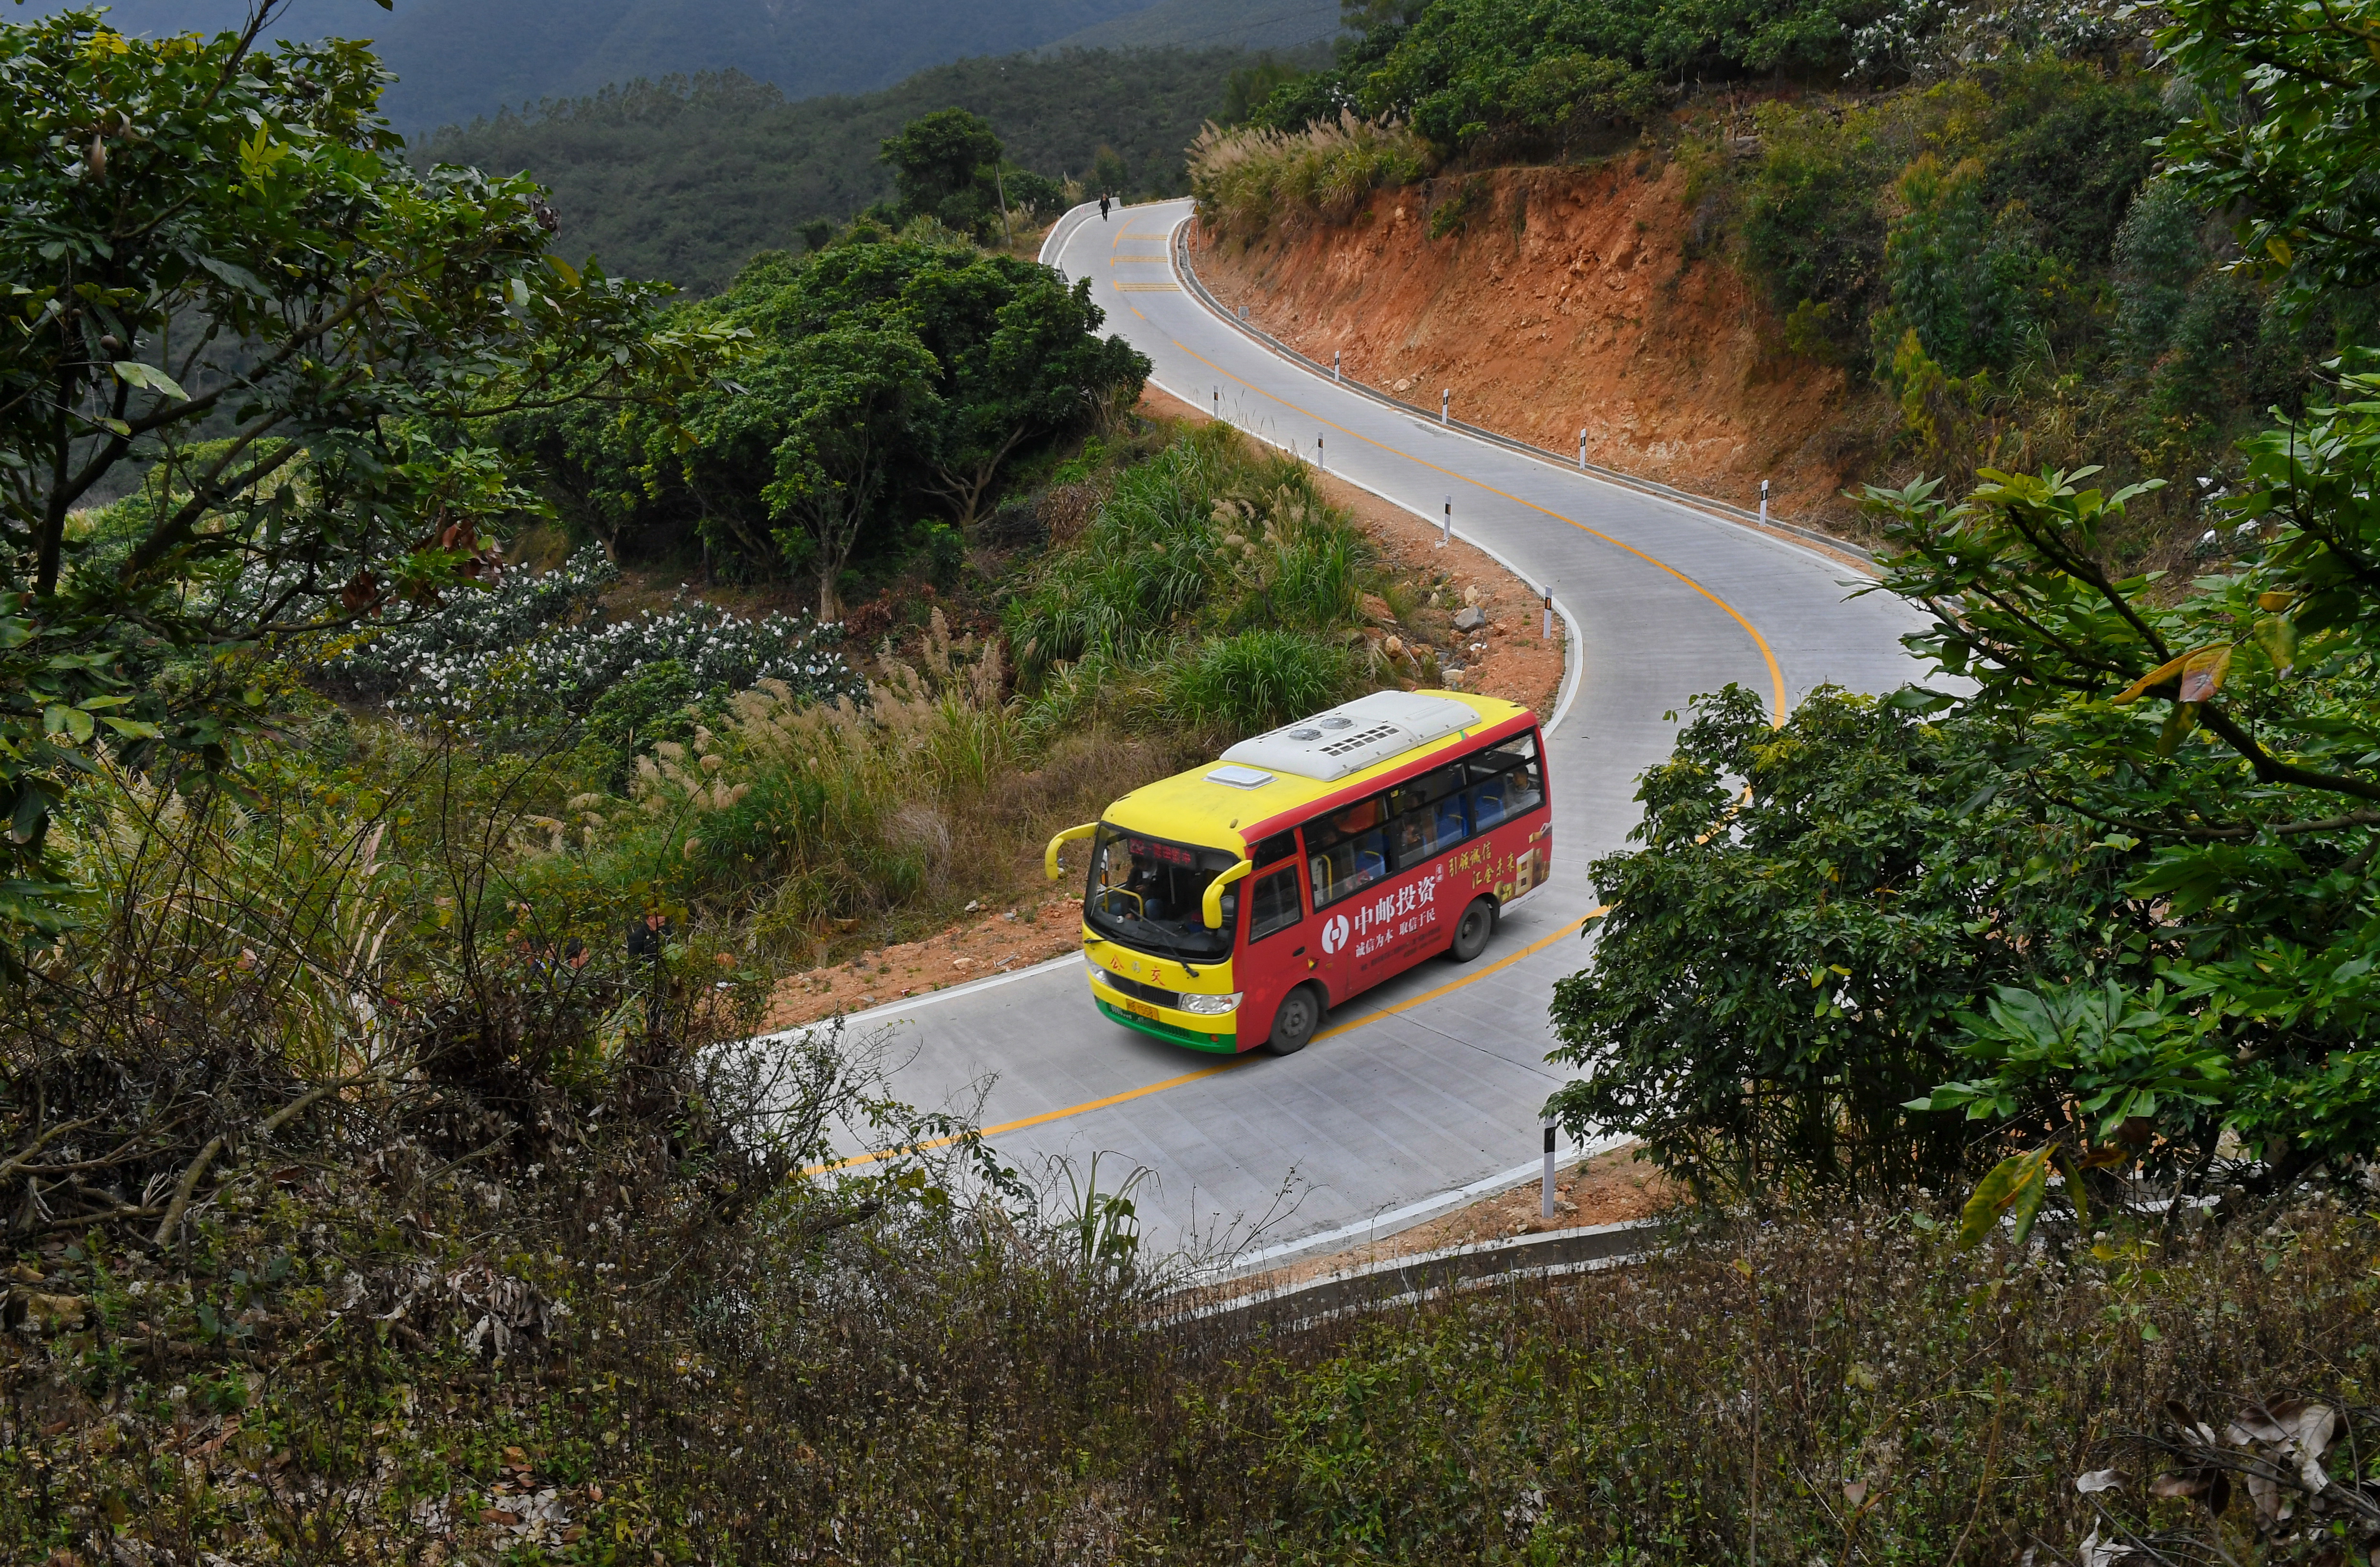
(1429, 1087)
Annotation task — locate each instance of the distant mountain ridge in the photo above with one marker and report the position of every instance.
(1211, 24)
(457, 59)
(685, 178)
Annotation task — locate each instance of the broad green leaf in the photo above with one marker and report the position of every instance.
(2027, 1206)
(132, 372)
(1999, 1192)
(2278, 636)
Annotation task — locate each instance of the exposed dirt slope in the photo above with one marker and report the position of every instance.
(1570, 298)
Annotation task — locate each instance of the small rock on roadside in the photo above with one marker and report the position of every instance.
(1470, 619)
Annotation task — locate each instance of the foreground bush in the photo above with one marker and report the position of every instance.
(1842, 1390)
(594, 1363)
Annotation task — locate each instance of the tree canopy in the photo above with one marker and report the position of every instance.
(2114, 884)
(892, 379)
(217, 263)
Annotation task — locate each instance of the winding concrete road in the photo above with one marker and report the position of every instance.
(1426, 1090)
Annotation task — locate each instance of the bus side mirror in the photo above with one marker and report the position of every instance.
(1212, 905)
(1050, 854)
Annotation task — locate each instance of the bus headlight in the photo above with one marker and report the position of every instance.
(1209, 1006)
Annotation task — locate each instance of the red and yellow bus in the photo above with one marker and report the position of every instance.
(1235, 905)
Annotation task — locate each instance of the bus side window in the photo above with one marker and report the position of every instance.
(1430, 816)
(1274, 906)
(1527, 778)
(1506, 783)
(1348, 850)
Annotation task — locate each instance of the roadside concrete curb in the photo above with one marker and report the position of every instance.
(1405, 1280)
(1059, 231)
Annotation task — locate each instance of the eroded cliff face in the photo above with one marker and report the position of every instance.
(1572, 298)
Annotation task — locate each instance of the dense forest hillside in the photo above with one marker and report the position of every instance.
(455, 59)
(1194, 24)
(685, 178)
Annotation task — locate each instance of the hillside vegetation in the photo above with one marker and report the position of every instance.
(685, 178)
(383, 1177)
(456, 60)
(1973, 235)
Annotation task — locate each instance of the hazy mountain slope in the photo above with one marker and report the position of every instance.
(1200, 24)
(684, 179)
(455, 59)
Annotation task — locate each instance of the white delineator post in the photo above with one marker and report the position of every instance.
(1547, 634)
(1334, 364)
(1546, 1198)
(1445, 403)
(1764, 503)
(1446, 528)
(1317, 451)
(1582, 448)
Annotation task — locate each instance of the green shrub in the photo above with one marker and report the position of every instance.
(1782, 969)
(1257, 680)
(1208, 565)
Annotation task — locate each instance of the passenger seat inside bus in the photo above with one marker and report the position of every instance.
(1487, 804)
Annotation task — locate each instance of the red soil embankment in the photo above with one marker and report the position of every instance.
(1570, 298)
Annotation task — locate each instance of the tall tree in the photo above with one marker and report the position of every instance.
(218, 265)
(858, 398)
(938, 157)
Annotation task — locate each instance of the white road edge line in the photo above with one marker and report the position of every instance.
(950, 992)
(1421, 420)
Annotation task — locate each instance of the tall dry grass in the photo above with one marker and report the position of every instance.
(791, 820)
(1246, 178)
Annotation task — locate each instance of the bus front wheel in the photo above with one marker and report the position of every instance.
(1471, 933)
(1300, 1014)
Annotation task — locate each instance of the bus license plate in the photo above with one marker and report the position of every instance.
(1141, 1009)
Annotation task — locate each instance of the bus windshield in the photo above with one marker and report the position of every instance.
(1145, 893)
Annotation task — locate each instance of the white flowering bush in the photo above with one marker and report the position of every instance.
(1927, 40)
(534, 645)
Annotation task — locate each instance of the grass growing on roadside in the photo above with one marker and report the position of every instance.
(1213, 592)
(1246, 178)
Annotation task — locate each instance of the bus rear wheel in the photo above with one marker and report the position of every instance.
(1471, 932)
(1300, 1014)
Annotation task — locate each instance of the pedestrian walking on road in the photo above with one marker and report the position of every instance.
(1103, 206)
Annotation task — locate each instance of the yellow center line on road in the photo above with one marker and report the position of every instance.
(1158, 1088)
(1776, 675)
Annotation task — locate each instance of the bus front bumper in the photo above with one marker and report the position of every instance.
(1216, 1036)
